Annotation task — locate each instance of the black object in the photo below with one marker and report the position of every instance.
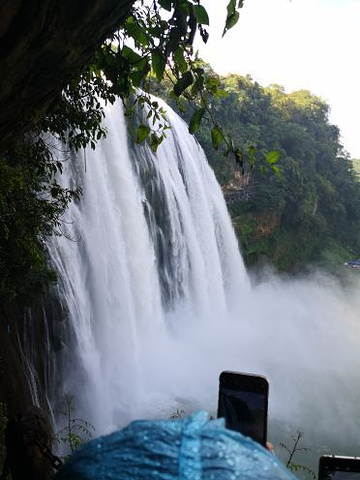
(28, 453)
(335, 467)
(243, 402)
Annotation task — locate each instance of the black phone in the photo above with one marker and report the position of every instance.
(336, 467)
(243, 402)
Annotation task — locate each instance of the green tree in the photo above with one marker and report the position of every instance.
(310, 199)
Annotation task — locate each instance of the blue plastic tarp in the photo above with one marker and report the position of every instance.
(194, 448)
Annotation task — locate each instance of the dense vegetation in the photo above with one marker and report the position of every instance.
(311, 201)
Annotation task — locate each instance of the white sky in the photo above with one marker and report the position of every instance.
(311, 44)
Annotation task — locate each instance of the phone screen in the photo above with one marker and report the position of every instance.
(244, 411)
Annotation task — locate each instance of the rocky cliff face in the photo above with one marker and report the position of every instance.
(43, 44)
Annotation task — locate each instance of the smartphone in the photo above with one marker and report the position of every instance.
(243, 402)
(334, 467)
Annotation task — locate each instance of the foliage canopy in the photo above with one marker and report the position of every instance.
(311, 199)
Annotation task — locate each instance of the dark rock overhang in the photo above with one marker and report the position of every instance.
(43, 45)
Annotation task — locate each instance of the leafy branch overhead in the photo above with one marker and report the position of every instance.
(232, 14)
(156, 42)
(163, 50)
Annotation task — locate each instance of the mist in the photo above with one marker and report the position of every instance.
(302, 334)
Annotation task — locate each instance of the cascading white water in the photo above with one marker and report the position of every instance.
(159, 301)
(150, 237)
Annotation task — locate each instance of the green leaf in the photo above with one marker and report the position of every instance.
(139, 72)
(203, 33)
(179, 59)
(230, 146)
(212, 84)
(166, 4)
(142, 133)
(216, 137)
(262, 169)
(199, 70)
(158, 64)
(155, 141)
(201, 14)
(196, 120)
(198, 85)
(138, 75)
(129, 112)
(135, 32)
(277, 171)
(185, 81)
(231, 7)
(272, 157)
(180, 103)
(232, 15)
(251, 150)
(221, 93)
(239, 157)
(231, 20)
(252, 159)
(130, 55)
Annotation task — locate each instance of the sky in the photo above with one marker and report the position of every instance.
(300, 44)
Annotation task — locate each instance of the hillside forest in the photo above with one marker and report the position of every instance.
(305, 210)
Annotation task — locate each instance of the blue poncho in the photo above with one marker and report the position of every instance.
(186, 449)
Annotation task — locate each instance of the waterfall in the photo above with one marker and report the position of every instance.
(150, 238)
(158, 301)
